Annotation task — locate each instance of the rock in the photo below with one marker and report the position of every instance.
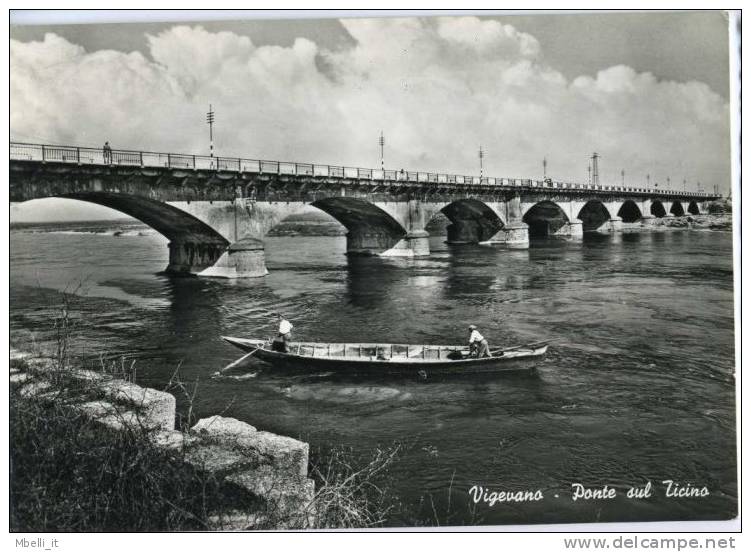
(288, 500)
(110, 415)
(15, 354)
(97, 408)
(35, 389)
(120, 421)
(215, 459)
(19, 378)
(284, 453)
(219, 426)
(171, 439)
(88, 375)
(156, 408)
(236, 521)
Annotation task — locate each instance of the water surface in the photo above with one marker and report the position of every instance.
(638, 385)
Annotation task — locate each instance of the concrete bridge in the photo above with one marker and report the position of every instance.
(215, 211)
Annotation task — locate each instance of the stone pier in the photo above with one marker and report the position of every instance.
(242, 259)
(513, 236)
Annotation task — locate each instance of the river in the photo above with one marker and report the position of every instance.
(638, 384)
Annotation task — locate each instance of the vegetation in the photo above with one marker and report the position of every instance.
(352, 492)
(720, 207)
(70, 474)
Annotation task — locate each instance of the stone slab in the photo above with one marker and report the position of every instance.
(19, 378)
(215, 459)
(156, 408)
(286, 499)
(220, 426)
(35, 388)
(284, 453)
(171, 439)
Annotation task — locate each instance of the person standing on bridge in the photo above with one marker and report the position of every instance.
(478, 345)
(284, 336)
(107, 153)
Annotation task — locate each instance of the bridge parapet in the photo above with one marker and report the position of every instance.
(76, 155)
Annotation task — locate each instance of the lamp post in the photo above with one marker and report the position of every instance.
(381, 142)
(544, 168)
(623, 178)
(481, 155)
(595, 169)
(210, 121)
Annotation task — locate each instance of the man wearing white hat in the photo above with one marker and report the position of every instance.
(478, 345)
(285, 335)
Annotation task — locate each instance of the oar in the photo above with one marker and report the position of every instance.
(235, 363)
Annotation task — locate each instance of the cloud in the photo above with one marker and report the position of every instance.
(438, 88)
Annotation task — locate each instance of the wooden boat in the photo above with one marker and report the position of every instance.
(388, 358)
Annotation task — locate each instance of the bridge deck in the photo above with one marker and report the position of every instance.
(20, 151)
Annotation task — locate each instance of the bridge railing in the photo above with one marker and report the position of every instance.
(22, 151)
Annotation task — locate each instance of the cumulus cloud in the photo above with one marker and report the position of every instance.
(438, 88)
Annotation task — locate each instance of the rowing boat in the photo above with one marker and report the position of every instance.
(389, 358)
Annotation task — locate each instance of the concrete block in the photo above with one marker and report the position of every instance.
(282, 452)
(237, 521)
(171, 439)
(15, 354)
(120, 421)
(39, 364)
(97, 409)
(219, 426)
(110, 415)
(88, 376)
(19, 378)
(156, 408)
(215, 459)
(287, 499)
(35, 389)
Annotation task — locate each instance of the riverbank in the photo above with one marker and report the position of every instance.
(94, 452)
(722, 222)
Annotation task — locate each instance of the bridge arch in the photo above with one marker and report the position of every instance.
(677, 209)
(657, 209)
(693, 208)
(545, 218)
(471, 221)
(370, 229)
(593, 215)
(193, 244)
(629, 211)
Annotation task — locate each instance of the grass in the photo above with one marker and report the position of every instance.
(70, 474)
(352, 491)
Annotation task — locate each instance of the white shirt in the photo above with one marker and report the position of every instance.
(285, 327)
(475, 336)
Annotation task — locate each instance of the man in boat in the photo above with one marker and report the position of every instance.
(284, 336)
(478, 345)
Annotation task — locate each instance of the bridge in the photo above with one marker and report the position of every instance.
(215, 211)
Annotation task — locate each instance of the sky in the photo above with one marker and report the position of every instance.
(648, 92)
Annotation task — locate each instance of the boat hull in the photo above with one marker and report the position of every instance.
(512, 361)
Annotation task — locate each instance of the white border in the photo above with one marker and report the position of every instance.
(116, 542)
